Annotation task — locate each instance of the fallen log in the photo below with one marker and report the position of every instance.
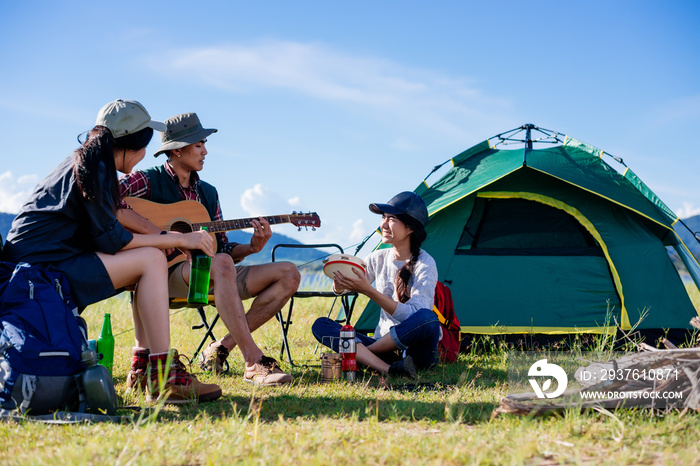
(653, 378)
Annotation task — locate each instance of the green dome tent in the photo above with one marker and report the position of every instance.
(554, 241)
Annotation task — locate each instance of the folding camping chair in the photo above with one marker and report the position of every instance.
(347, 301)
(180, 303)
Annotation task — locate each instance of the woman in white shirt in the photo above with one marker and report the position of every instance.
(404, 278)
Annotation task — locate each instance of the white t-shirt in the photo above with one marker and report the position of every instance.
(382, 271)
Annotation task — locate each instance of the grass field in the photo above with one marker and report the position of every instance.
(442, 418)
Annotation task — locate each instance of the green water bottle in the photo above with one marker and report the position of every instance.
(199, 277)
(97, 385)
(105, 344)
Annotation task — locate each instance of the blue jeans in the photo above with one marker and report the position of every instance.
(418, 336)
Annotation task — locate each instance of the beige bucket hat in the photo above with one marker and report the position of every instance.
(124, 117)
(182, 130)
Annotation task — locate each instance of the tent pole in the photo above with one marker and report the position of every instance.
(528, 140)
(361, 245)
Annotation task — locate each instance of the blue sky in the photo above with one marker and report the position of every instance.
(329, 106)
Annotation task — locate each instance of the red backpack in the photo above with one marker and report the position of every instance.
(448, 346)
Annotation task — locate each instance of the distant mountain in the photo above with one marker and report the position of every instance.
(311, 258)
(308, 260)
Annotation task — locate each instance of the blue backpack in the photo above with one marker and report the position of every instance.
(41, 341)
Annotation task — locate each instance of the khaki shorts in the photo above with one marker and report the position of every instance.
(178, 287)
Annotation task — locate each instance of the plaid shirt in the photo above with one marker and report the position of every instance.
(137, 184)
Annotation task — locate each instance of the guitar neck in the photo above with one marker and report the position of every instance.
(238, 224)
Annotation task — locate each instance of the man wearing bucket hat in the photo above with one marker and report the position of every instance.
(69, 224)
(270, 284)
(404, 277)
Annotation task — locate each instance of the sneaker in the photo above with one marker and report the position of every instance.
(404, 367)
(213, 358)
(266, 372)
(181, 386)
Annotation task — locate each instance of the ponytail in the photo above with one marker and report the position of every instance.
(98, 150)
(404, 275)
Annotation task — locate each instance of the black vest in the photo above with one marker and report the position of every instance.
(165, 190)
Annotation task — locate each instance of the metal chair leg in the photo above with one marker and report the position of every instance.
(285, 329)
(208, 334)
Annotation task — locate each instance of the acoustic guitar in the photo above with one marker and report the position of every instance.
(187, 216)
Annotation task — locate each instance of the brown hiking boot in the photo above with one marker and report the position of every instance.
(137, 378)
(181, 386)
(136, 381)
(213, 358)
(266, 372)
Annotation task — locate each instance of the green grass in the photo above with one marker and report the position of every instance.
(445, 420)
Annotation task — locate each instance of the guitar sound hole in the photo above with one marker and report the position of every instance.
(181, 227)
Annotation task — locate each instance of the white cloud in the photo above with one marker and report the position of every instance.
(408, 98)
(261, 200)
(688, 210)
(359, 231)
(13, 192)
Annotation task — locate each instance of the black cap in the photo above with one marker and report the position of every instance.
(407, 203)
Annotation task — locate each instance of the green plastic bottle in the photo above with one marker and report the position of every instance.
(198, 292)
(105, 344)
